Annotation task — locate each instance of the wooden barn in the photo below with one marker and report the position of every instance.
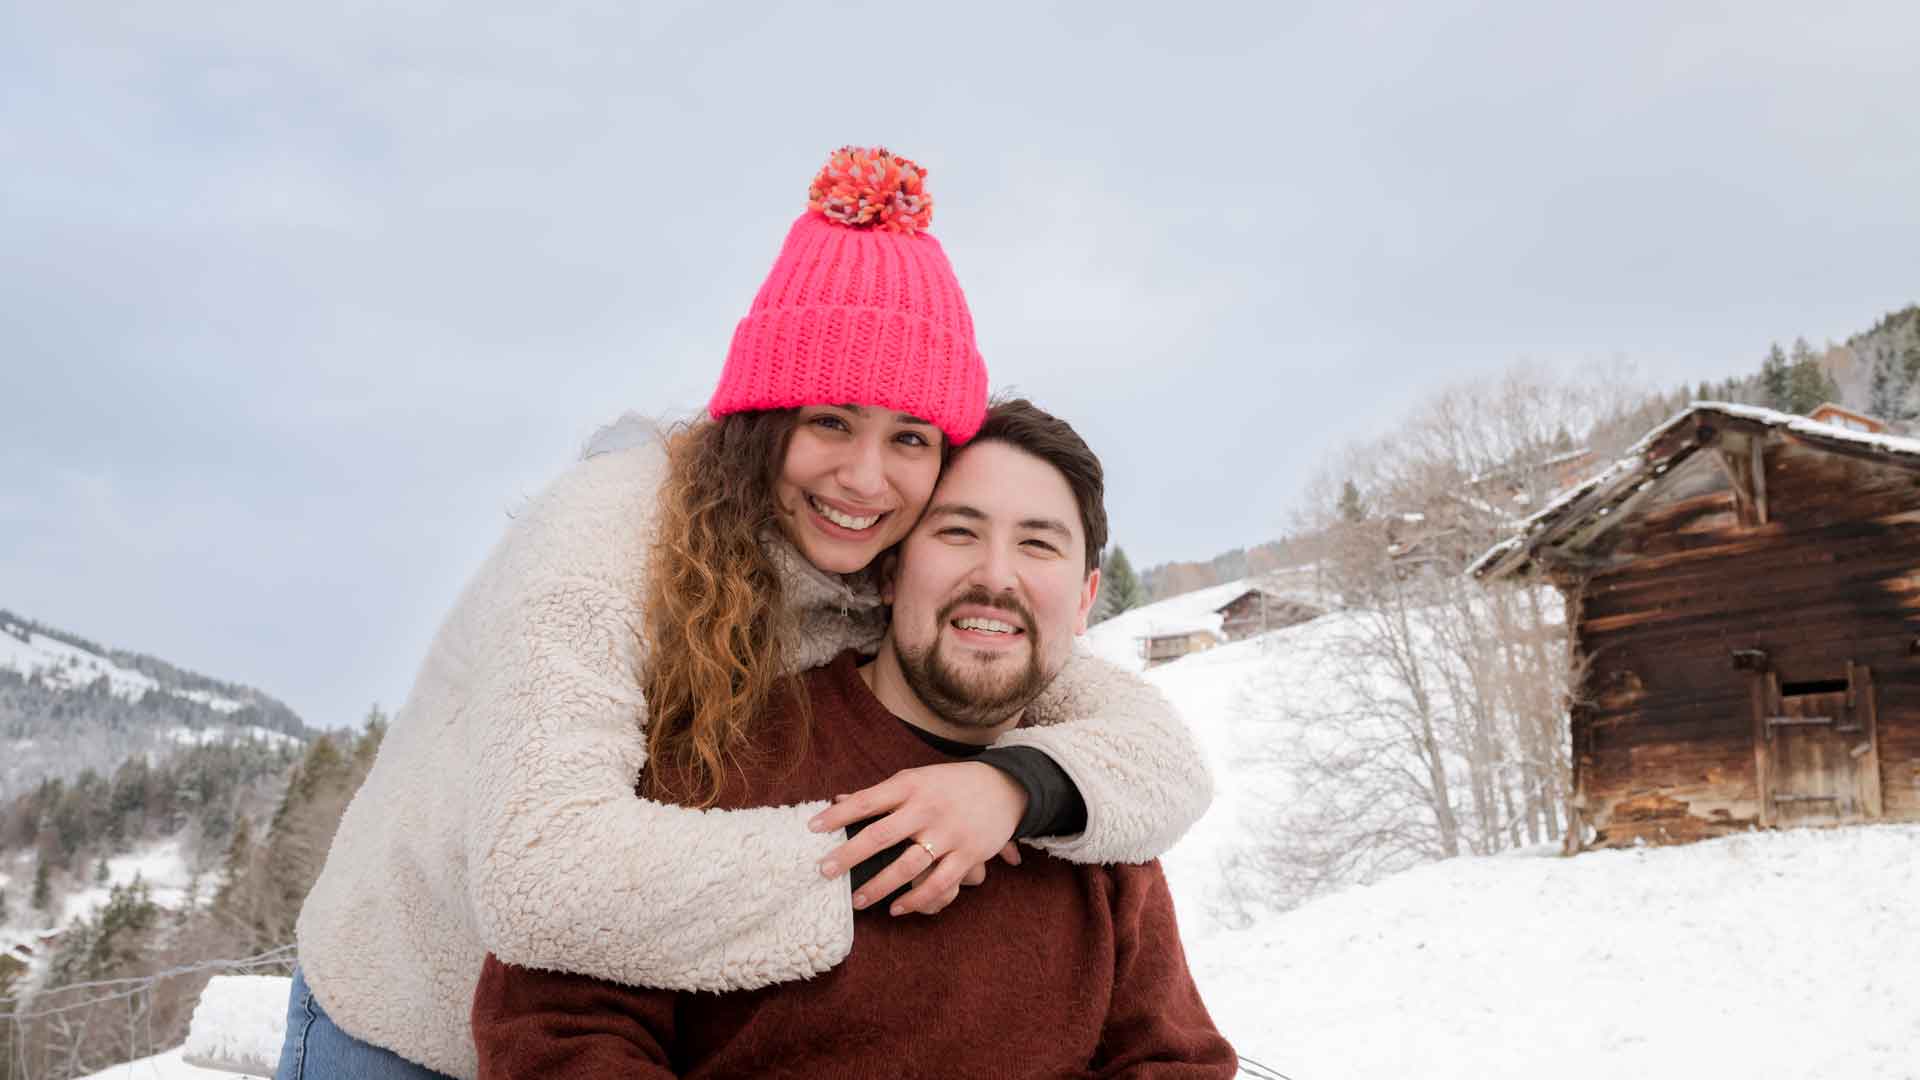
(1257, 611)
(1744, 595)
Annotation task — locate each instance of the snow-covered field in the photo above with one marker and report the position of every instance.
(167, 1066)
(1790, 954)
(1767, 955)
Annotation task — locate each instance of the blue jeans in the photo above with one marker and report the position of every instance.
(316, 1048)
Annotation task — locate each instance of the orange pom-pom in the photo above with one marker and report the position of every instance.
(872, 189)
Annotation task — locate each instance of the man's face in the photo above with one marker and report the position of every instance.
(992, 586)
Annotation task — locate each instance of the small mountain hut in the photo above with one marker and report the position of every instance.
(1743, 591)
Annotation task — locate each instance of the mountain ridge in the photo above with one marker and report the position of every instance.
(68, 704)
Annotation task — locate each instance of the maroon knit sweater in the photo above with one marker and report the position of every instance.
(1050, 969)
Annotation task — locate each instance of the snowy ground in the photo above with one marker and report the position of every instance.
(167, 1066)
(1768, 955)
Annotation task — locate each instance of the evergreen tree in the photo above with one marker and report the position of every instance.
(1894, 390)
(10, 971)
(3, 906)
(1120, 589)
(105, 945)
(1908, 412)
(1353, 507)
(239, 854)
(1774, 377)
(42, 887)
(371, 735)
(1887, 392)
(1808, 384)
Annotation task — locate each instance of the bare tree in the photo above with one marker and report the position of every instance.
(1439, 728)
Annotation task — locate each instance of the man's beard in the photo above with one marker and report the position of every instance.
(971, 699)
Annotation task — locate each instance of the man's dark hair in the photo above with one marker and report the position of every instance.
(1025, 426)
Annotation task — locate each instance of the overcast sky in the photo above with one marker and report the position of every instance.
(297, 302)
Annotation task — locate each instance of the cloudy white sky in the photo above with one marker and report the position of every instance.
(297, 302)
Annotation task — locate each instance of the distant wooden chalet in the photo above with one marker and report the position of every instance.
(1167, 645)
(1744, 595)
(1257, 611)
(1841, 416)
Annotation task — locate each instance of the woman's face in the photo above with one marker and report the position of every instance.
(854, 482)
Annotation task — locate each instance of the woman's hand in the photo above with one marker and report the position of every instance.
(965, 811)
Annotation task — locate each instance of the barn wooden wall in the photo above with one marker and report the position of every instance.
(1663, 741)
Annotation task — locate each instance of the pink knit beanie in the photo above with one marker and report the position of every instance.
(862, 308)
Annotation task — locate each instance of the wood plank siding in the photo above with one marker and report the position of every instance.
(1806, 563)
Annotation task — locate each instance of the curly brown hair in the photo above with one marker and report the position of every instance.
(716, 620)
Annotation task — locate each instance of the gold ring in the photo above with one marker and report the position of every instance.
(931, 854)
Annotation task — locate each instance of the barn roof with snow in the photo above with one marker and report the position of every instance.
(1581, 516)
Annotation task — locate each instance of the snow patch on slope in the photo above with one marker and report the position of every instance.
(163, 867)
(210, 736)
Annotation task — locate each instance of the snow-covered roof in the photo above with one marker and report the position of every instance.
(1652, 460)
(1277, 597)
(1118, 638)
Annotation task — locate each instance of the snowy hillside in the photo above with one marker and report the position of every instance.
(163, 866)
(1117, 640)
(29, 651)
(68, 704)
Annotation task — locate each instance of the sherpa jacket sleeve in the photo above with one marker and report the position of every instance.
(1143, 775)
(568, 869)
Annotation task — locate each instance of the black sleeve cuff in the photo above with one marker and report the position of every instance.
(869, 868)
(1054, 805)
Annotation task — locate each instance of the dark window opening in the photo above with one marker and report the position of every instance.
(1815, 686)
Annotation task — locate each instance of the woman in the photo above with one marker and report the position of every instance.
(650, 603)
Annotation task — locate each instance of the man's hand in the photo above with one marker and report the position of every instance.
(965, 811)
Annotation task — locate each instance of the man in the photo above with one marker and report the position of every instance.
(1052, 969)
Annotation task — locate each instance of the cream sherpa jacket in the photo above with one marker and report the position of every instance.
(501, 816)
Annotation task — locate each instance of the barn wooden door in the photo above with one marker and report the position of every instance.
(1822, 761)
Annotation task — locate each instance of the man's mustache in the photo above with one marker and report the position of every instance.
(980, 597)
